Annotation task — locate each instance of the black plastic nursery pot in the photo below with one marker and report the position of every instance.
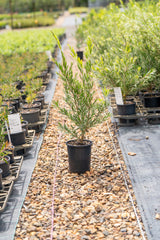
(10, 153)
(80, 54)
(18, 138)
(31, 115)
(126, 109)
(79, 156)
(5, 166)
(19, 101)
(1, 186)
(151, 100)
(25, 126)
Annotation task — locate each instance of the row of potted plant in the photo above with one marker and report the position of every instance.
(126, 49)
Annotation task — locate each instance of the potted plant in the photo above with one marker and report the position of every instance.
(79, 35)
(4, 159)
(121, 70)
(83, 109)
(150, 94)
(30, 111)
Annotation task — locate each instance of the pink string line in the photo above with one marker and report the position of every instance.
(54, 184)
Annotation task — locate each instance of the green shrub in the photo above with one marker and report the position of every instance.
(38, 22)
(78, 10)
(38, 40)
(126, 44)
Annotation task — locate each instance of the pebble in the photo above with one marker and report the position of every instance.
(123, 230)
(106, 233)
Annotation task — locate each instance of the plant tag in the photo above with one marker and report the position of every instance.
(118, 95)
(15, 123)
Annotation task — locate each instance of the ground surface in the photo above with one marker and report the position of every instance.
(95, 205)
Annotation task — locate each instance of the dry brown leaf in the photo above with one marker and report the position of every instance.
(131, 153)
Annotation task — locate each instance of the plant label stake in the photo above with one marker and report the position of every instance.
(118, 95)
(15, 123)
(9, 137)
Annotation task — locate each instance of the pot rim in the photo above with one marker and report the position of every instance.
(133, 103)
(7, 159)
(31, 110)
(79, 146)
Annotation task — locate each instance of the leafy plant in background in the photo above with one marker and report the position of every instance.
(31, 95)
(27, 41)
(112, 32)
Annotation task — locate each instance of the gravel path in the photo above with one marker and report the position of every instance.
(95, 205)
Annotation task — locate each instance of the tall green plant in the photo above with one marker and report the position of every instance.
(83, 109)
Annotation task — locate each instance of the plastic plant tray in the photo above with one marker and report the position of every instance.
(29, 142)
(151, 115)
(4, 195)
(15, 169)
(42, 120)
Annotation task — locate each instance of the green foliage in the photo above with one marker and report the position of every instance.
(38, 22)
(78, 10)
(27, 41)
(45, 5)
(83, 108)
(126, 45)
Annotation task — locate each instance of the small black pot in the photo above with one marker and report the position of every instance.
(126, 109)
(10, 153)
(31, 115)
(25, 126)
(19, 101)
(80, 54)
(151, 100)
(79, 156)
(39, 100)
(1, 186)
(18, 138)
(15, 103)
(5, 167)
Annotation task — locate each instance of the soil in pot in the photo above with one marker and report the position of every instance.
(1, 186)
(126, 109)
(79, 156)
(5, 166)
(151, 100)
(34, 105)
(80, 54)
(31, 115)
